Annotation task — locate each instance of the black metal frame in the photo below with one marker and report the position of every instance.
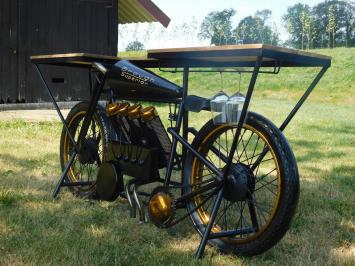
(181, 125)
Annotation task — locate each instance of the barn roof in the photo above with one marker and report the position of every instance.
(132, 11)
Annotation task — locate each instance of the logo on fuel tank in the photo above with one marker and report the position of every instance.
(135, 77)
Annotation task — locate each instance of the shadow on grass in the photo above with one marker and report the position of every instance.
(29, 163)
(334, 129)
(344, 178)
(85, 232)
(314, 150)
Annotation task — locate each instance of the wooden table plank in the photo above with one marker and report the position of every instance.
(211, 56)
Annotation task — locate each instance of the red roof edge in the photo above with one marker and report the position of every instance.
(156, 12)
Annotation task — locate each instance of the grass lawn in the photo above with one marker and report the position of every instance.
(37, 230)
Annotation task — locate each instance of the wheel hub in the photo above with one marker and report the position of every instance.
(240, 182)
(89, 151)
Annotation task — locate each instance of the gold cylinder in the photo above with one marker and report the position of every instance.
(134, 111)
(148, 113)
(112, 108)
(123, 109)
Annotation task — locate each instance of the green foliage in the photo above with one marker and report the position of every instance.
(217, 27)
(135, 46)
(307, 27)
(328, 24)
(335, 23)
(331, 23)
(255, 30)
(297, 22)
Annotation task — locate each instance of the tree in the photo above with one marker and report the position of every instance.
(248, 30)
(342, 13)
(217, 27)
(331, 24)
(264, 15)
(306, 25)
(135, 46)
(254, 29)
(297, 22)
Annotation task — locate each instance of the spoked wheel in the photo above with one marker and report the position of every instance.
(259, 199)
(86, 164)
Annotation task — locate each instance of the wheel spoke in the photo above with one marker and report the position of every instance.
(79, 171)
(262, 177)
(252, 212)
(261, 211)
(249, 216)
(244, 147)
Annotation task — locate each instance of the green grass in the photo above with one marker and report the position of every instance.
(337, 86)
(35, 229)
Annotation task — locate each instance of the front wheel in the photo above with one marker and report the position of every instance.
(260, 194)
(86, 165)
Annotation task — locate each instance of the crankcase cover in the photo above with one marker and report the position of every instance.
(109, 181)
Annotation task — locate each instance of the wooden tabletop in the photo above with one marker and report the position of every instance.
(242, 54)
(211, 56)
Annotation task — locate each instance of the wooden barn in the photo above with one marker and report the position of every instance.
(33, 27)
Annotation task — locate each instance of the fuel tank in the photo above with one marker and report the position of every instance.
(131, 82)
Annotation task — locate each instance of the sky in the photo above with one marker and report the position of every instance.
(181, 11)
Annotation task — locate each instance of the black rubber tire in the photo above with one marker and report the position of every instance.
(289, 189)
(108, 134)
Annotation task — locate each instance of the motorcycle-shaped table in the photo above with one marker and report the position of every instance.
(239, 178)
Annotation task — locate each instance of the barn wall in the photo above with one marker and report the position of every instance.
(49, 27)
(8, 49)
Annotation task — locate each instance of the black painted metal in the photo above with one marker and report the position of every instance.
(92, 107)
(127, 80)
(231, 233)
(275, 71)
(150, 99)
(231, 155)
(208, 229)
(182, 120)
(88, 116)
(76, 184)
(293, 112)
(44, 83)
(169, 169)
(242, 116)
(185, 119)
(184, 142)
(201, 189)
(64, 175)
(303, 98)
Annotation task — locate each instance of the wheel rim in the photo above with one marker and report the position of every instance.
(82, 172)
(264, 200)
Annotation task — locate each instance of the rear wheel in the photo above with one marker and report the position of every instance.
(259, 200)
(86, 164)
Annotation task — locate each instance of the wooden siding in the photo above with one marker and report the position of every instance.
(8, 50)
(46, 27)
